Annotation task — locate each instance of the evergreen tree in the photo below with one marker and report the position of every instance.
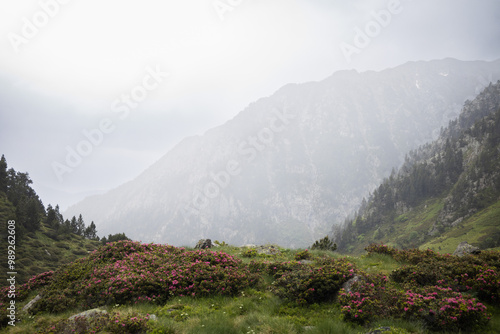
(51, 217)
(80, 226)
(91, 232)
(59, 216)
(73, 226)
(114, 237)
(31, 215)
(3, 174)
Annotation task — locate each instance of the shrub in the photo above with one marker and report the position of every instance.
(278, 269)
(128, 272)
(486, 283)
(251, 252)
(324, 244)
(79, 252)
(368, 300)
(440, 308)
(302, 255)
(479, 273)
(308, 285)
(423, 274)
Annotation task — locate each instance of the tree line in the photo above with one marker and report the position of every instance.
(19, 202)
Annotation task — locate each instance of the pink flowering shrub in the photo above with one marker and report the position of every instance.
(486, 283)
(21, 293)
(128, 272)
(474, 273)
(440, 308)
(308, 284)
(369, 299)
(302, 255)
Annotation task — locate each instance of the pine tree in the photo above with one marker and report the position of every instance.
(3, 174)
(51, 218)
(324, 244)
(73, 226)
(91, 232)
(80, 226)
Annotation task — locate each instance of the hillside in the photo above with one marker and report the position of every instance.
(446, 192)
(41, 239)
(129, 287)
(290, 165)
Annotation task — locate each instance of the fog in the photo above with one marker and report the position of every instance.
(93, 93)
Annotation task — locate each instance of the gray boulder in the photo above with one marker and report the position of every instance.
(465, 249)
(347, 286)
(203, 244)
(89, 313)
(27, 307)
(268, 249)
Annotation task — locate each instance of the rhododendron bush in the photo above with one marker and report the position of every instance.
(440, 292)
(478, 274)
(308, 284)
(440, 308)
(130, 272)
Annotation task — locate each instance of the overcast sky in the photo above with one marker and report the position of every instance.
(148, 73)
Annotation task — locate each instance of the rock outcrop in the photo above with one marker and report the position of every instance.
(204, 244)
(465, 249)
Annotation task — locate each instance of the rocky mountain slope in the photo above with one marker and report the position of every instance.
(292, 164)
(447, 191)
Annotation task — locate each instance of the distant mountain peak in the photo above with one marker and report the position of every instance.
(294, 176)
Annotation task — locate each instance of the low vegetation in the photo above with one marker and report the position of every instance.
(152, 288)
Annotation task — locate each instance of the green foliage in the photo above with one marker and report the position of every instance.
(114, 238)
(476, 273)
(440, 308)
(324, 244)
(278, 296)
(220, 244)
(128, 272)
(302, 255)
(251, 252)
(309, 284)
(460, 171)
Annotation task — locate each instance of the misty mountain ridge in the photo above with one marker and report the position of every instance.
(446, 192)
(292, 164)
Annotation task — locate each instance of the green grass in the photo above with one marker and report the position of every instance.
(472, 230)
(410, 230)
(39, 252)
(254, 310)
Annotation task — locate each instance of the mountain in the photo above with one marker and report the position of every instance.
(446, 192)
(292, 164)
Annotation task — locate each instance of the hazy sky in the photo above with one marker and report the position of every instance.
(148, 73)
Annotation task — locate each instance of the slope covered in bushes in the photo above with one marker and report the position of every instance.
(151, 288)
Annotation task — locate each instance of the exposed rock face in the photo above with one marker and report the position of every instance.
(292, 164)
(27, 307)
(268, 250)
(465, 249)
(89, 313)
(347, 286)
(203, 244)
